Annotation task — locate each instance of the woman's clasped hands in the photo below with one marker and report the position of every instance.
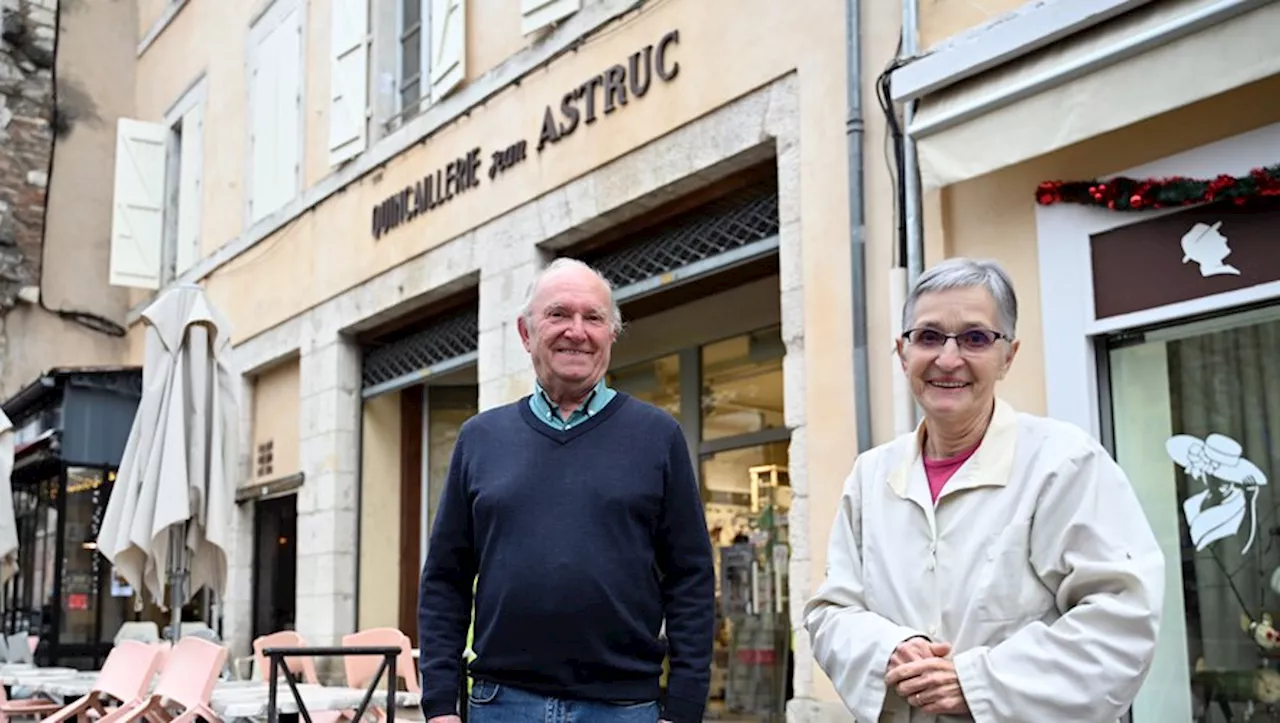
(924, 675)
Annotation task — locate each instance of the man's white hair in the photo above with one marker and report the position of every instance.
(560, 264)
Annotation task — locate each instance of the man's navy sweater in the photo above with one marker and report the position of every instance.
(584, 540)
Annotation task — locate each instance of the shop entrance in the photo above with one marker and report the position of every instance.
(432, 415)
(723, 382)
(1195, 423)
(275, 565)
(71, 600)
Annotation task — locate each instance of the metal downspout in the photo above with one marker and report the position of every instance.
(906, 411)
(910, 163)
(857, 223)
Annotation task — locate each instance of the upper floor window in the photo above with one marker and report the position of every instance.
(427, 55)
(275, 109)
(415, 56)
(155, 228)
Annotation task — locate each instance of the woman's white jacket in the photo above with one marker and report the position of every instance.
(1037, 565)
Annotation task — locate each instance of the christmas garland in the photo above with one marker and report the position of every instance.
(1131, 194)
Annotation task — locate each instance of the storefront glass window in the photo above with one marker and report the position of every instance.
(447, 409)
(741, 449)
(36, 510)
(748, 497)
(115, 595)
(81, 565)
(1196, 426)
(742, 385)
(656, 382)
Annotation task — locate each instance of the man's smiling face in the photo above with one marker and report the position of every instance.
(569, 333)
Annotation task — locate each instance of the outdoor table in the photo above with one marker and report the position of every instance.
(61, 686)
(32, 676)
(277, 659)
(81, 683)
(254, 702)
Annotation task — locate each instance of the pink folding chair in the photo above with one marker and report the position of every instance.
(125, 675)
(361, 669)
(284, 639)
(191, 670)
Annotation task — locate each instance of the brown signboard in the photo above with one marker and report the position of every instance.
(1199, 252)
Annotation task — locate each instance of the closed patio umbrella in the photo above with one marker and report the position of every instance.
(8, 525)
(168, 518)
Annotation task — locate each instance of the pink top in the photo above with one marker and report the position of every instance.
(940, 470)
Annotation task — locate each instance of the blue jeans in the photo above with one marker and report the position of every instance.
(493, 703)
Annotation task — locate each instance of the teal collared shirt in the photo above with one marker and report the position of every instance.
(546, 411)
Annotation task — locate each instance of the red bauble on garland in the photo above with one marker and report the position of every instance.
(1131, 194)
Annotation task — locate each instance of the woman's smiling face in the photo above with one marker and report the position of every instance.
(955, 378)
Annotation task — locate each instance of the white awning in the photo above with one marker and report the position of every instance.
(1160, 57)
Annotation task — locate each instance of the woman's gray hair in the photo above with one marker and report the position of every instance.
(966, 273)
(565, 262)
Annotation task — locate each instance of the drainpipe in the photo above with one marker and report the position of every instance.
(857, 223)
(910, 163)
(911, 262)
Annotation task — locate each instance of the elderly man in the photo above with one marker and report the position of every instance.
(578, 509)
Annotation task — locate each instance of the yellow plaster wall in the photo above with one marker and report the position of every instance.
(941, 19)
(493, 34)
(276, 408)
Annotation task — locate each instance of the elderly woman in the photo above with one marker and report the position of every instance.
(993, 565)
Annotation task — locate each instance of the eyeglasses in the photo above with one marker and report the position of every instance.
(968, 340)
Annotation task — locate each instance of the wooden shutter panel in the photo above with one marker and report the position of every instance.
(537, 14)
(348, 79)
(448, 46)
(190, 188)
(287, 57)
(262, 117)
(276, 113)
(137, 221)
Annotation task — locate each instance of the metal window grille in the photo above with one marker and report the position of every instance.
(449, 338)
(715, 228)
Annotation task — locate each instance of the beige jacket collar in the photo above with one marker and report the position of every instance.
(990, 466)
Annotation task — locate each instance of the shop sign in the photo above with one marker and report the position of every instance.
(602, 94)
(1184, 256)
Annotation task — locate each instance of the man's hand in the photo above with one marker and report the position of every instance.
(445, 719)
(916, 649)
(930, 684)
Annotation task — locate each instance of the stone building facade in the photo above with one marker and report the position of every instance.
(26, 141)
(66, 75)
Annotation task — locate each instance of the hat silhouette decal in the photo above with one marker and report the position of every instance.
(1208, 248)
(1231, 487)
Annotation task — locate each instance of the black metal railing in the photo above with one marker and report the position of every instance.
(277, 657)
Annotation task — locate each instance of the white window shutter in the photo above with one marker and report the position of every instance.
(262, 131)
(190, 188)
(276, 98)
(537, 14)
(289, 131)
(137, 220)
(448, 46)
(348, 79)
